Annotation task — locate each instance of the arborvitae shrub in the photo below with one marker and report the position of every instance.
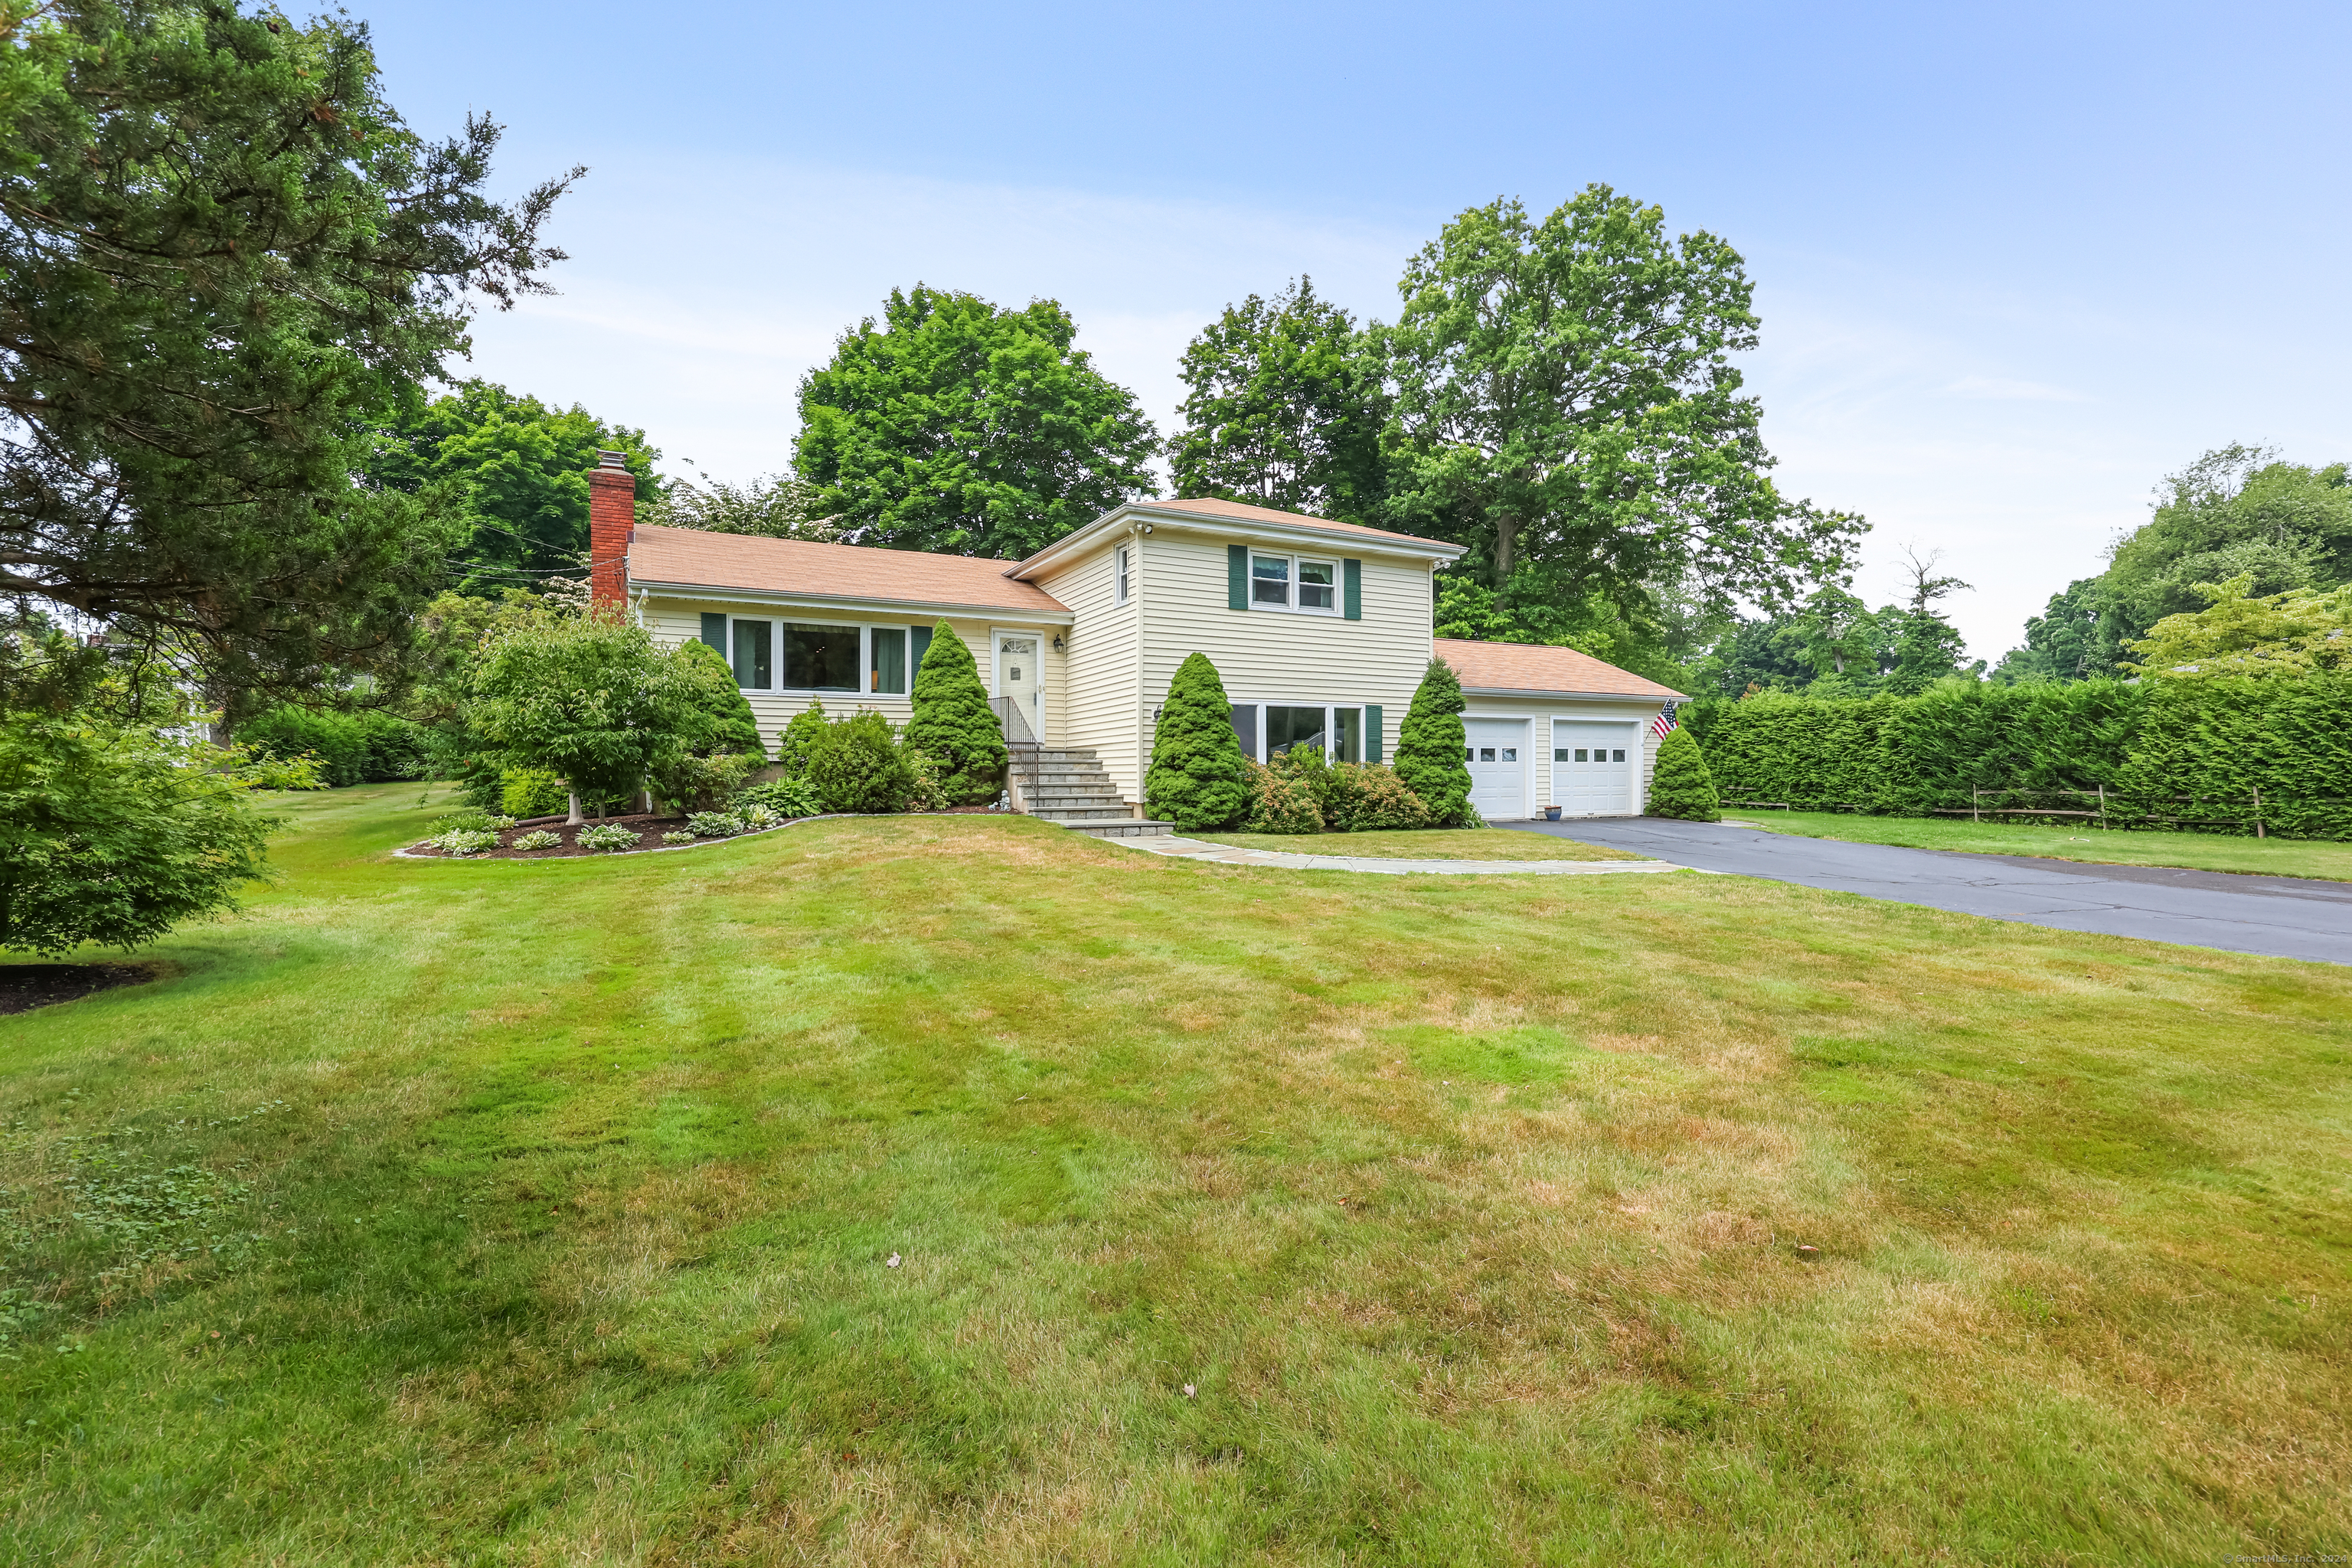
(352, 748)
(953, 724)
(858, 766)
(1196, 779)
(1430, 758)
(711, 684)
(1681, 786)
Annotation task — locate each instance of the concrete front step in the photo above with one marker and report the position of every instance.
(1048, 799)
(1128, 827)
(1108, 811)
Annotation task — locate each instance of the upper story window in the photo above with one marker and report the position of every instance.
(1118, 583)
(1294, 582)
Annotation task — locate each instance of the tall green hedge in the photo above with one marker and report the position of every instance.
(2154, 747)
(357, 748)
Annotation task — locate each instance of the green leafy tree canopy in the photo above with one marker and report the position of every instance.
(588, 698)
(1568, 407)
(956, 426)
(2296, 633)
(1286, 400)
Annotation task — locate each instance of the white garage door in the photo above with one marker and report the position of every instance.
(1593, 767)
(1498, 767)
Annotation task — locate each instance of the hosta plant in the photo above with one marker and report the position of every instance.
(539, 838)
(714, 825)
(612, 836)
(463, 841)
(676, 838)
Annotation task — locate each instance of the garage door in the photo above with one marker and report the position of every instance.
(1593, 767)
(1498, 767)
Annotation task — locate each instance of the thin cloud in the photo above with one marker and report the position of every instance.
(1994, 389)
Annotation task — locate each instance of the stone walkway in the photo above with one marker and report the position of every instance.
(1233, 855)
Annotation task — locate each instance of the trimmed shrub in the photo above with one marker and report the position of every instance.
(710, 687)
(1365, 797)
(1197, 779)
(352, 748)
(953, 724)
(1281, 802)
(1681, 786)
(531, 792)
(788, 798)
(1430, 754)
(607, 838)
(702, 783)
(859, 767)
(805, 732)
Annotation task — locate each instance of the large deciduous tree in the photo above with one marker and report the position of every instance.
(221, 248)
(512, 470)
(1286, 400)
(1567, 406)
(955, 426)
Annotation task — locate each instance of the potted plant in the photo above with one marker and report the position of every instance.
(1552, 814)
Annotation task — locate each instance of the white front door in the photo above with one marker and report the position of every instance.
(1498, 767)
(1593, 765)
(1021, 675)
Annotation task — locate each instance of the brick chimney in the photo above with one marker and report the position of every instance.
(612, 522)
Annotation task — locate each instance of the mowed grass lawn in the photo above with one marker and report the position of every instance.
(449, 1213)
(2196, 851)
(1429, 844)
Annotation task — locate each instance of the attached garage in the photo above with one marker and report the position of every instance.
(1498, 767)
(1596, 767)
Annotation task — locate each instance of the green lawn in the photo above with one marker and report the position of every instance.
(515, 1213)
(1432, 844)
(2198, 851)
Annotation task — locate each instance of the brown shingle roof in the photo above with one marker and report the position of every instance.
(1520, 666)
(690, 557)
(1242, 511)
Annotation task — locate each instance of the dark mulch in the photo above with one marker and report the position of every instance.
(24, 986)
(649, 836)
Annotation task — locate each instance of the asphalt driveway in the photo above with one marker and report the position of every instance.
(2285, 916)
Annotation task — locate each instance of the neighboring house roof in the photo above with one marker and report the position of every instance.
(1525, 669)
(686, 559)
(1231, 516)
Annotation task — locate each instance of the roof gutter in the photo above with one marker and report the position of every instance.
(856, 603)
(1580, 696)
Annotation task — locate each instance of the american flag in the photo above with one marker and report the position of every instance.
(1663, 724)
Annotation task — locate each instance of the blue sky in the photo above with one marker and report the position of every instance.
(2014, 263)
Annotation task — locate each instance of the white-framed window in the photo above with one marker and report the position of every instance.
(774, 654)
(1296, 583)
(1338, 732)
(1122, 562)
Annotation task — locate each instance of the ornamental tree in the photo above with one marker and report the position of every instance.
(956, 426)
(1680, 784)
(1197, 779)
(953, 724)
(1430, 754)
(587, 698)
(224, 247)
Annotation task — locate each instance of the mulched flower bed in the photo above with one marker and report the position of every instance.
(649, 831)
(24, 986)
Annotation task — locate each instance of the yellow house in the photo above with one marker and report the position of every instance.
(1321, 631)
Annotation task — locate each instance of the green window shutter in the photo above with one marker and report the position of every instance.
(1371, 714)
(1352, 575)
(1237, 576)
(714, 632)
(918, 643)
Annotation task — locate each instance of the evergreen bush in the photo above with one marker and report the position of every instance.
(1681, 787)
(352, 748)
(858, 766)
(1431, 755)
(530, 792)
(1196, 779)
(702, 783)
(2175, 753)
(1281, 801)
(806, 732)
(953, 724)
(1365, 797)
(727, 713)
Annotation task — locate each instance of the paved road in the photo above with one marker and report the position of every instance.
(2285, 917)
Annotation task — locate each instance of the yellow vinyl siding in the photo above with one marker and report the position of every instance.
(1279, 657)
(676, 621)
(1100, 703)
